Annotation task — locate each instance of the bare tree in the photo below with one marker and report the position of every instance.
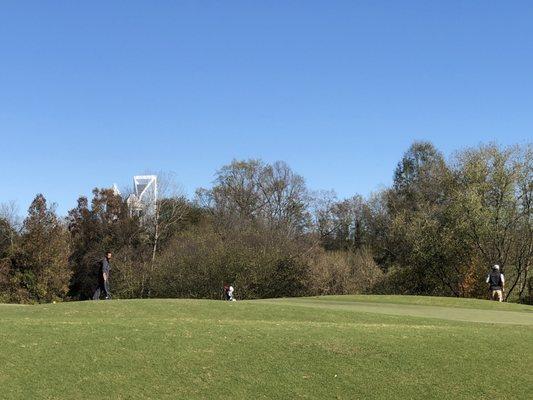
(252, 191)
(285, 198)
(9, 213)
(171, 209)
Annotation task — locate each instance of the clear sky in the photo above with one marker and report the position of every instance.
(94, 92)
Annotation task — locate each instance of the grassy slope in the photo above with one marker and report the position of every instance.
(325, 348)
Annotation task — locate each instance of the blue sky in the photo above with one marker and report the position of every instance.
(95, 92)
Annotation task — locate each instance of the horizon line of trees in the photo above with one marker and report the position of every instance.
(435, 231)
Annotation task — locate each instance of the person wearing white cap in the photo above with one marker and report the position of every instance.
(496, 282)
(230, 293)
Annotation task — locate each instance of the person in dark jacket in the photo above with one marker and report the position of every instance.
(103, 278)
(496, 282)
(226, 289)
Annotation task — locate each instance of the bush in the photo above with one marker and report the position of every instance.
(342, 272)
(256, 262)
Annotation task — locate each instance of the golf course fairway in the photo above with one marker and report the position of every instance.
(334, 347)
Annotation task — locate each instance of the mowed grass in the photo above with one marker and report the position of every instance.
(339, 347)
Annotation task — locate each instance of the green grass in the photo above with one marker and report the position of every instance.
(338, 347)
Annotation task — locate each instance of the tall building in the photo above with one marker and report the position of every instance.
(143, 201)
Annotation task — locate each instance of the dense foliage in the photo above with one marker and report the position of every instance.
(435, 231)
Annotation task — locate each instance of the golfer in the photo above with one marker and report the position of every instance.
(230, 293)
(103, 278)
(496, 282)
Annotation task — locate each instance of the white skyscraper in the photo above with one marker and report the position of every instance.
(143, 201)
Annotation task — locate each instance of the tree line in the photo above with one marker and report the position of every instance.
(435, 231)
